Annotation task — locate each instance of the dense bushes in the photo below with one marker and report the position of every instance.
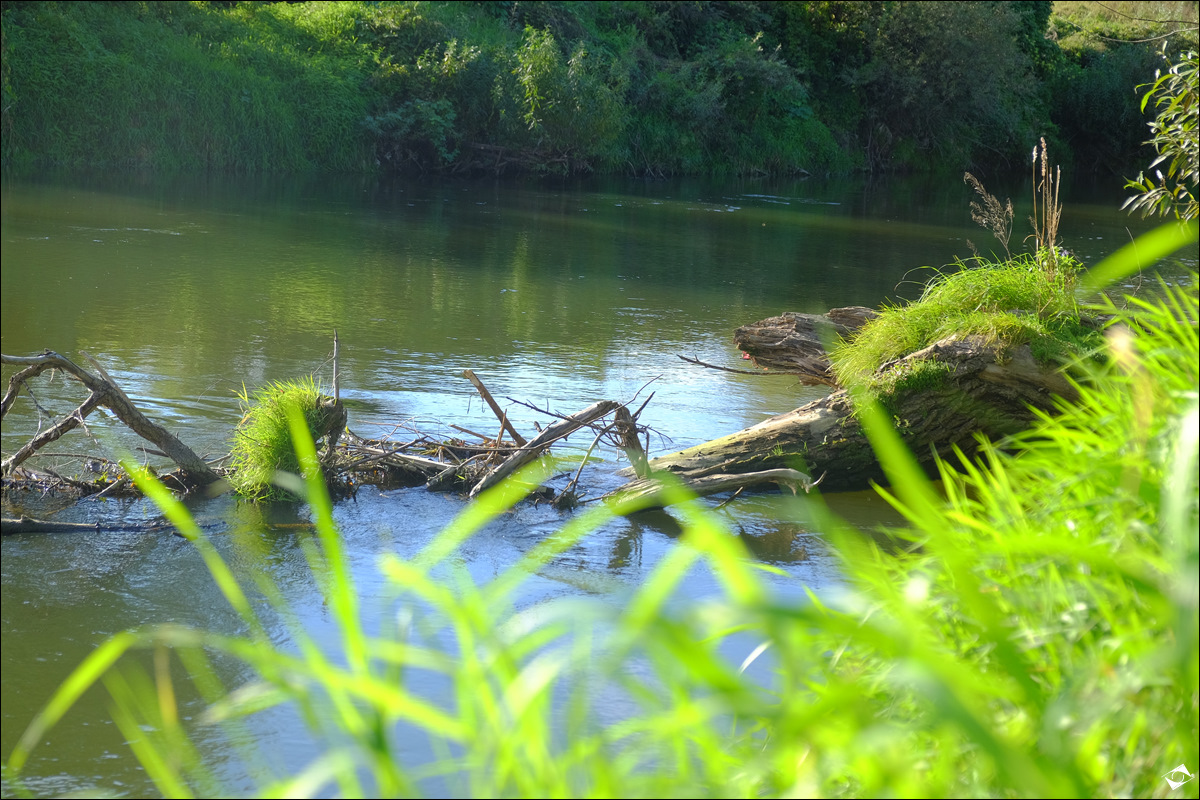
(648, 88)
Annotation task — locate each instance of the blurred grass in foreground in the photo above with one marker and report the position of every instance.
(1036, 635)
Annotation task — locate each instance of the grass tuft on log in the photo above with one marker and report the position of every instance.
(1025, 299)
(262, 444)
(1010, 304)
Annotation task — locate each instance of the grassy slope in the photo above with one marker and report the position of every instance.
(350, 85)
(174, 86)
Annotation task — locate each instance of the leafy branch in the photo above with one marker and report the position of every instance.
(1175, 140)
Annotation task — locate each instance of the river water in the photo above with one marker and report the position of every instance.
(557, 295)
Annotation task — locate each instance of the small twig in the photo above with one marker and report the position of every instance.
(559, 430)
(468, 430)
(113, 487)
(69, 481)
(729, 499)
(575, 481)
(565, 417)
(532, 407)
(337, 394)
(642, 407)
(642, 389)
(77, 457)
(738, 371)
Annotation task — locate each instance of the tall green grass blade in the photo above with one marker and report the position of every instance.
(161, 748)
(183, 522)
(343, 597)
(916, 497)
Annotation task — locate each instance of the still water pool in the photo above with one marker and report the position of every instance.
(558, 295)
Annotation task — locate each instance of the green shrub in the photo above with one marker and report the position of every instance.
(1096, 116)
(932, 92)
(181, 86)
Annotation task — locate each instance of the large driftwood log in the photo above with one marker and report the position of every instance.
(795, 343)
(105, 392)
(983, 392)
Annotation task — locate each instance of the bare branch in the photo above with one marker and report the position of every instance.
(105, 392)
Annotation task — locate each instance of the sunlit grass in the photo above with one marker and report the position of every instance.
(262, 443)
(1008, 304)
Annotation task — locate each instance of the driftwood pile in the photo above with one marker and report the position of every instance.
(348, 459)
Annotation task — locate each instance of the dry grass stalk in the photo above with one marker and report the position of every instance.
(1045, 226)
(990, 214)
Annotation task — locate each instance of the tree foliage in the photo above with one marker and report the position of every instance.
(1175, 140)
(650, 88)
(948, 81)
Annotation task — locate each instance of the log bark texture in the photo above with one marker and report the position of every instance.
(983, 392)
(795, 343)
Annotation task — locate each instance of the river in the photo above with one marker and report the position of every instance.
(555, 294)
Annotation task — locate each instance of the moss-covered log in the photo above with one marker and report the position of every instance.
(940, 397)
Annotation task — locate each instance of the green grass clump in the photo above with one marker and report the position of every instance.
(1009, 304)
(262, 444)
(1035, 634)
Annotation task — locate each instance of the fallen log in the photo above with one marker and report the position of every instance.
(795, 343)
(979, 390)
(9, 525)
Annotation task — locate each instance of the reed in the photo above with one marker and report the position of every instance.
(1046, 217)
(989, 212)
